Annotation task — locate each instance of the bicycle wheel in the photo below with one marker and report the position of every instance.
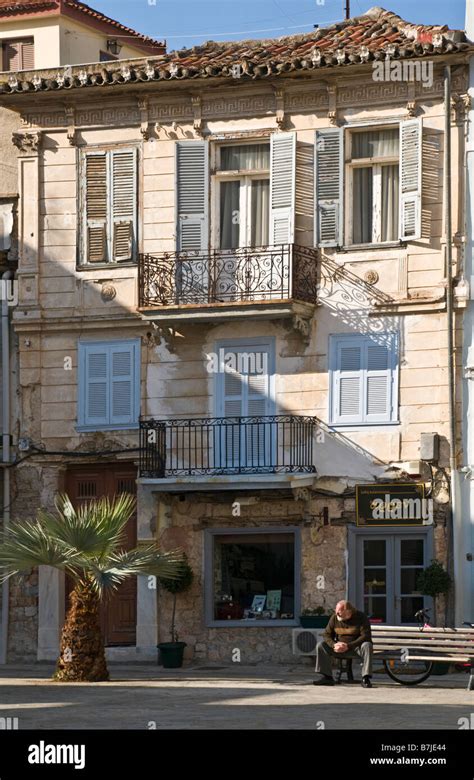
(409, 672)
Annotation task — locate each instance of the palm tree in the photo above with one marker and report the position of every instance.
(86, 543)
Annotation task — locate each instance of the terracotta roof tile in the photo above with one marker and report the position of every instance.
(15, 7)
(376, 34)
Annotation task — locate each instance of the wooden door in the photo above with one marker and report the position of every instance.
(119, 613)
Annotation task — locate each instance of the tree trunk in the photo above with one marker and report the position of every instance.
(82, 655)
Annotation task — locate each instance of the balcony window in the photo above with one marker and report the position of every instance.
(243, 178)
(251, 577)
(374, 166)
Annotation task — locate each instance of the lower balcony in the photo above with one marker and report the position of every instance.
(207, 450)
(259, 282)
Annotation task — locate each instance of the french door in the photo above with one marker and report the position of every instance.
(245, 392)
(83, 484)
(386, 571)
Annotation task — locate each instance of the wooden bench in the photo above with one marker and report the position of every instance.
(445, 645)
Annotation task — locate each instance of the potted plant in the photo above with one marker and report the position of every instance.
(433, 581)
(171, 653)
(315, 617)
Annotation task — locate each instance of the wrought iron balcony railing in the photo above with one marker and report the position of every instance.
(227, 445)
(268, 273)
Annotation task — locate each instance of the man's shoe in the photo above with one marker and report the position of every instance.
(323, 679)
(366, 682)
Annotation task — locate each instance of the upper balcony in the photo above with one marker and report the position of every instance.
(258, 282)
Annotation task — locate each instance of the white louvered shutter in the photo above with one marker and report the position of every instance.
(122, 384)
(328, 177)
(96, 402)
(123, 188)
(96, 207)
(27, 55)
(348, 388)
(282, 187)
(192, 186)
(378, 380)
(11, 56)
(410, 179)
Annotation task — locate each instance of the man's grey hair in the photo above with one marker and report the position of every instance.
(347, 605)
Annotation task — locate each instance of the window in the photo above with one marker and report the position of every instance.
(106, 56)
(364, 376)
(252, 577)
(109, 384)
(18, 54)
(373, 173)
(109, 206)
(380, 173)
(244, 190)
(253, 194)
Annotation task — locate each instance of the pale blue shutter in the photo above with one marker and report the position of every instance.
(329, 193)
(348, 381)
(94, 380)
(410, 179)
(123, 188)
(282, 187)
(124, 384)
(109, 384)
(192, 195)
(379, 367)
(246, 392)
(364, 372)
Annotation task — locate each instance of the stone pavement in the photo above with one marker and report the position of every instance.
(233, 697)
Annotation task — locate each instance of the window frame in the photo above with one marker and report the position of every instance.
(82, 349)
(376, 163)
(30, 39)
(81, 262)
(209, 534)
(334, 341)
(245, 177)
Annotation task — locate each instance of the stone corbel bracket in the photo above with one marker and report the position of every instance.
(303, 326)
(196, 103)
(71, 124)
(27, 143)
(143, 106)
(332, 107)
(302, 493)
(280, 107)
(411, 102)
(460, 106)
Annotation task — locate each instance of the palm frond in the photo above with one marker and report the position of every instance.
(28, 544)
(96, 528)
(107, 575)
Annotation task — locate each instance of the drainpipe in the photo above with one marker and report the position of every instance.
(452, 555)
(6, 453)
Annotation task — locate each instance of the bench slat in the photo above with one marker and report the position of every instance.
(416, 629)
(456, 646)
(459, 657)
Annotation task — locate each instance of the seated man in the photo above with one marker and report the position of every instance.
(347, 635)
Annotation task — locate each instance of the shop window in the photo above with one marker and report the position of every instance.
(253, 577)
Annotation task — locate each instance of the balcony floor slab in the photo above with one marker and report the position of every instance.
(228, 482)
(215, 312)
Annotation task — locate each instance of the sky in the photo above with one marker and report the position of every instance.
(184, 23)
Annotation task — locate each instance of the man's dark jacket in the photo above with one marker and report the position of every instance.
(353, 631)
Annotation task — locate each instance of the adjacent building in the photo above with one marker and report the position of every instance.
(233, 297)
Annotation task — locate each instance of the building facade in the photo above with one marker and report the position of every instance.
(233, 299)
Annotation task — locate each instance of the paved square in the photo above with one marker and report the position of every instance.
(233, 697)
